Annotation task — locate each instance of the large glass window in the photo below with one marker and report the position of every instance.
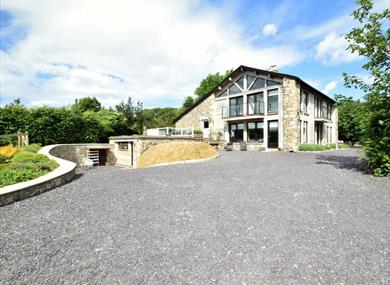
(224, 93)
(240, 82)
(234, 89)
(259, 83)
(328, 111)
(249, 80)
(256, 131)
(236, 107)
(304, 99)
(236, 132)
(304, 138)
(256, 103)
(272, 83)
(273, 101)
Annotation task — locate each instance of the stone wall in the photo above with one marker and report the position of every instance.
(192, 119)
(77, 152)
(291, 94)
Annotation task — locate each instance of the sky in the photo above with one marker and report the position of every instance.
(157, 52)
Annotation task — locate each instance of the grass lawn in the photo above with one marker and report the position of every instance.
(175, 151)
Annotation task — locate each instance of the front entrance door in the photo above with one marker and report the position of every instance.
(206, 129)
(273, 134)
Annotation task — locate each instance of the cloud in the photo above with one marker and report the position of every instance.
(270, 30)
(329, 87)
(154, 51)
(332, 50)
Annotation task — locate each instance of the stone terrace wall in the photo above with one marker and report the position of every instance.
(291, 108)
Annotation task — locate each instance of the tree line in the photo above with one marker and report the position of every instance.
(83, 122)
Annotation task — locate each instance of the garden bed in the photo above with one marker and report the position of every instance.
(23, 164)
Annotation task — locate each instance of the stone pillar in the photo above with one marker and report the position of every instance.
(290, 109)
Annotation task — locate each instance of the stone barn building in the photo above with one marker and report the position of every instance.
(265, 109)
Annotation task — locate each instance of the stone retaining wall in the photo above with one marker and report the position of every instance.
(59, 176)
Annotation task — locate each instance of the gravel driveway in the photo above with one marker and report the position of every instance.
(243, 218)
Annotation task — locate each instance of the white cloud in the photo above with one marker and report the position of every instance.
(329, 87)
(332, 50)
(270, 30)
(154, 51)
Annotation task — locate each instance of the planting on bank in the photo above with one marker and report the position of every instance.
(22, 164)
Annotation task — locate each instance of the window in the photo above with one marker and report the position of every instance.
(272, 83)
(256, 103)
(234, 89)
(304, 99)
(240, 82)
(236, 132)
(256, 131)
(249, 80)
(123, 145)
(259, 83)
(317, 108)
(328, 111)
(236, 106)
(224, 93)
(304, 138)
(273, 101)
(206, 124)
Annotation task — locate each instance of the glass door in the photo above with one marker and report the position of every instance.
(273, 134)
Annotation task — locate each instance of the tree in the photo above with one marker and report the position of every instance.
(132, 115)
(372, 41)
(188, 103)
(87, 104)
(351, 118)
(160, 117)
(209, 83)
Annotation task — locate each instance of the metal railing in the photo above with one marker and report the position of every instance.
(256, 108)
(169, 131)
(232, 111)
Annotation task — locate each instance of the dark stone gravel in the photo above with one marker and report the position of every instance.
(243, 218)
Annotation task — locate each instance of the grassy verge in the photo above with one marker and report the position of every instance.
(317, 147)
(175, 151)
(18, 165)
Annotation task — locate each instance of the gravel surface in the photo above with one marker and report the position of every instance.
(243, 218)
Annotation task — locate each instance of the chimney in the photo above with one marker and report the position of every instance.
(273, 68)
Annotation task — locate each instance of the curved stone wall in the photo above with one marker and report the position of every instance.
(59, 176)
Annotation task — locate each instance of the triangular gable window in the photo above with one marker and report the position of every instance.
(234, 89)
(224, 93)
(249, 80)
(259, 83)
(240, 82)
(272, 83)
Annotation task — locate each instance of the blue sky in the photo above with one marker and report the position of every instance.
(158, 51)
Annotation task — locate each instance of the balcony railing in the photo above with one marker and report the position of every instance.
(234, 111)
(256, 108)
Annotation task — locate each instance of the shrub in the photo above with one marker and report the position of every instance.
(3, 159)
(8, 151)
(313, 147)
(25, 166)
(12, 176)
(32, 147)
(28, 156)
(343, 145)
(340, 145)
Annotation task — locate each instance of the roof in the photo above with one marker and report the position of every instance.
(271, 74)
